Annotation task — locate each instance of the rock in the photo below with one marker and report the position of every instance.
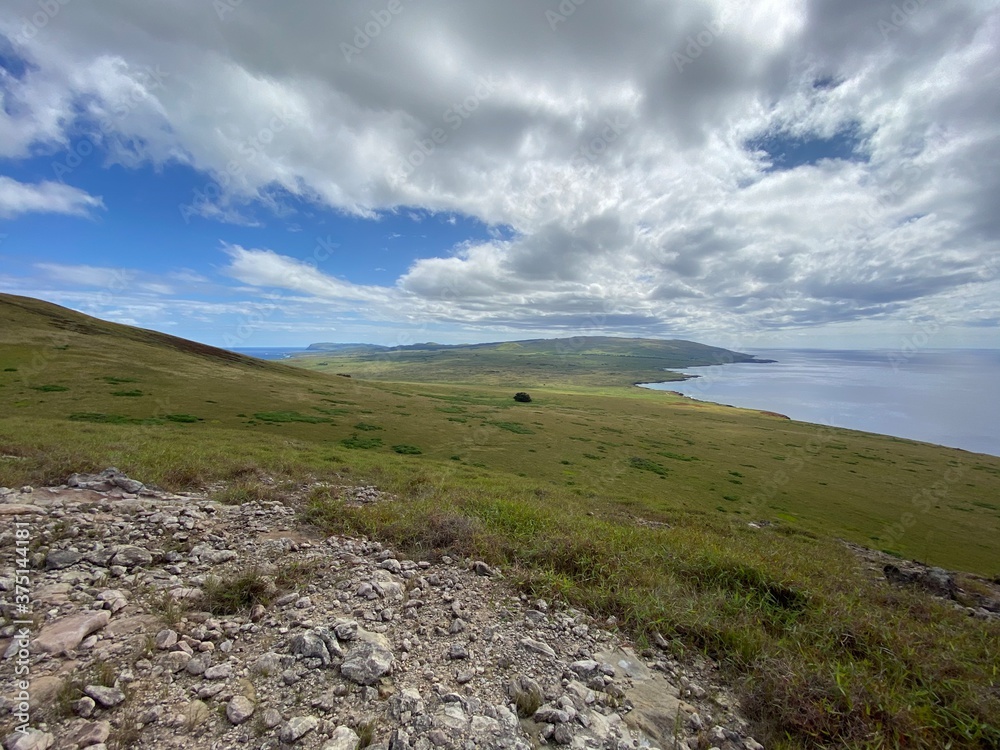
(458, 651)
(88, 734)
(21, 509)
(317, 643)
(166, 639)
(84, 707)
(538, 647)
(130, 556)
(175, 661)
(367, 663)
(113, 599)
(272, 717)
(343, 738)
(751, 744)
(65, 634)
(106, 697)
(239, 709)
(33, 739)
(296, 728)
(482, 569)
(57, 559)
(46, 689)
(219, 672)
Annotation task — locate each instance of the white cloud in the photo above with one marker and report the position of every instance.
(633, 199)
(18, 198)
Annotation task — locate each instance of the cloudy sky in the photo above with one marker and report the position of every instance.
(751, 174)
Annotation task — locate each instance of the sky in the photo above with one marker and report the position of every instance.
(797, 173)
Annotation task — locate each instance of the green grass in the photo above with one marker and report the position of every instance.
(820, 652)
(288, 416)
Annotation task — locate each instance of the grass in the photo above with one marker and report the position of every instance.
(229, 596)
(820, 652)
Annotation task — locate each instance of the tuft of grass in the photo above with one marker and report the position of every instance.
(182, 418)
(366, 733)
(365, 427)
(135, 393)
(239, 594)
(49, 388)
(247, 490)
(527, 701)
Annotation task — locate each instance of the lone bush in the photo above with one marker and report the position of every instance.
(522, 397)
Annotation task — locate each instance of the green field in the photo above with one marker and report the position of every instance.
(626, 501)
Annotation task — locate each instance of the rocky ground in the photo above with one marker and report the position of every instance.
(145, 633)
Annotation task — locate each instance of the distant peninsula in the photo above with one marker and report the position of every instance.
(580, 360)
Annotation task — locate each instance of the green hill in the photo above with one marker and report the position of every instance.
(591, 361)
(627, 502)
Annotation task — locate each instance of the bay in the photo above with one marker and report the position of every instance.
(946, 396)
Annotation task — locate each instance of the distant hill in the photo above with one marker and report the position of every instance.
(577, 360)
(324, 346)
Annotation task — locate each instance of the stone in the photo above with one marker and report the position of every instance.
(313, 644)
(33, 739)
(343, 738)
(538, 647)
(21, 509)
(130, 556)
(65, 634)
(57, 559)
(166, 639)
(482, 569)
(45, 689)
(367, 663)
(106, 697)
(175, 661)
(458, 651)
(84, 707)
(239, 709)
(219, 672)
(89, 734)
(272, 717)
(296, 728)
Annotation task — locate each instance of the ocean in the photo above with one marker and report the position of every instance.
(270, 352)
(949, 397)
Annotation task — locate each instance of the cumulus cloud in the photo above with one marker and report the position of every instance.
(637, 153)
(18, 198)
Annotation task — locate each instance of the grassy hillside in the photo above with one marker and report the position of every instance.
(590, 361)
(629, 502)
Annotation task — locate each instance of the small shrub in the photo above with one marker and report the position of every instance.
(287, 416)
(360, 443)
(10, 369)
(407, 450)
(231, 596)
(184, 418)
(638, 462)
(514, 427)
(128, 394)
(49, 388)
(365, 427)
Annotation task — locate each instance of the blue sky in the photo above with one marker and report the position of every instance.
(790, 174)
